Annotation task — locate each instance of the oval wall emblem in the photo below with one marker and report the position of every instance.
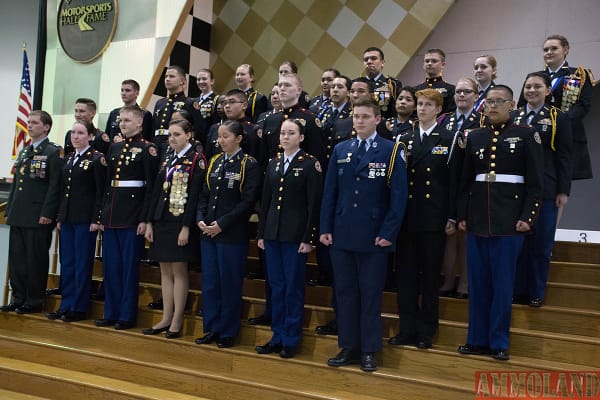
(86, 27)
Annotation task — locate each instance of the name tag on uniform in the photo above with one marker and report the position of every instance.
(439, 150)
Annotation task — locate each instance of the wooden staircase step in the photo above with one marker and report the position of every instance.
(576, 252)
(574, 272)
(10, 395)
(582, 296)
(66, 384)
(301, 377)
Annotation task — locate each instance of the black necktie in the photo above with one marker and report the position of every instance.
(286, 164)
(174, 160)
(362, 149)
(335, 113)
(75, 159)
(460, 121)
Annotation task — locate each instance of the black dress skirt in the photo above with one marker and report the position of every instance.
(165, 248)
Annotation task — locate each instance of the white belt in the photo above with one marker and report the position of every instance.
(127, 183)
(504, 178)
(161, 132)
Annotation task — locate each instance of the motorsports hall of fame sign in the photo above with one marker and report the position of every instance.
(86, 27)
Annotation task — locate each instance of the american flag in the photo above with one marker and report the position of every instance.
(24, 108)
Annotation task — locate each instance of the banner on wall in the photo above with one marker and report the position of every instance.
(86, 27)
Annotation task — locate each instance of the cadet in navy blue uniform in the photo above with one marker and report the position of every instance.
(430, 215)
(323, 100)
(500, 196)
(287, 231)
(386, 88)
(171, 229)
(405, 119)
(338, 109)
(290, 88)
(257, 102)
(31, 213)
(130, 91)
(363, 206)
(79, 218)
(485, 73)
(434, 62)
(164, 108)
(132, 167)
(205, 105)
(572, 93)
(459, 122)
(555, 130)
(226, 202)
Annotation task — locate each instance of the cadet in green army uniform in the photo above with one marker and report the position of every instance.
(31, 213)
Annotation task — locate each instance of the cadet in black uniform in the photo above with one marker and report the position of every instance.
(386, 88)
(430, 215)
(290, 67)
(31, 213)
(226, 202)
(276, 107)
(571, 93)
(79, 218)
(290, 87)
(323, 100)
(406, 107)
(132, 167)
(85, 109)
(459, 122)
(130, 90)
(434, 62)
(485, 73)
(164, 108)
(287, 231)
(499, 201)
(171, 229)
(235, 104)
(257, 102)
(206, 104)
(555, 131)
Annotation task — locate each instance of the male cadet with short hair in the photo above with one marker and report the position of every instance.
(205, 105)
(176, 100)
(323, 100)
(85, 109)
(130, 90)
(257, 102)
(386, 88)
(434, 62)
(363, 205)
(31, 214)
(430, 216)
(499, 199)
(132, 169)
(290, 88)
(236, 103)
(338, 109)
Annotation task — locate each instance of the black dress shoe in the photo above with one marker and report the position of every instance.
(268, 348)
(329, 328)
(156, 305)
(287, 352)
(55, 315)
(520, 299)
(122, 325)
(424, 343)
(155, 331)
(52, 291)
(27, 309)
(447, 293)
(260, 320)
(344, 357)
(501, 354)
(368, 363)
(224, 342)
(536, 302)
(403, 339)
(104, 322)
(473, 350)
(10, 307)
(208, 338)
(173, 335)
(462, 296)
(73, 316)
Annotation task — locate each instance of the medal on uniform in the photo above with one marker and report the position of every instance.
(166, 186)
(349, 156)
(481, 153)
